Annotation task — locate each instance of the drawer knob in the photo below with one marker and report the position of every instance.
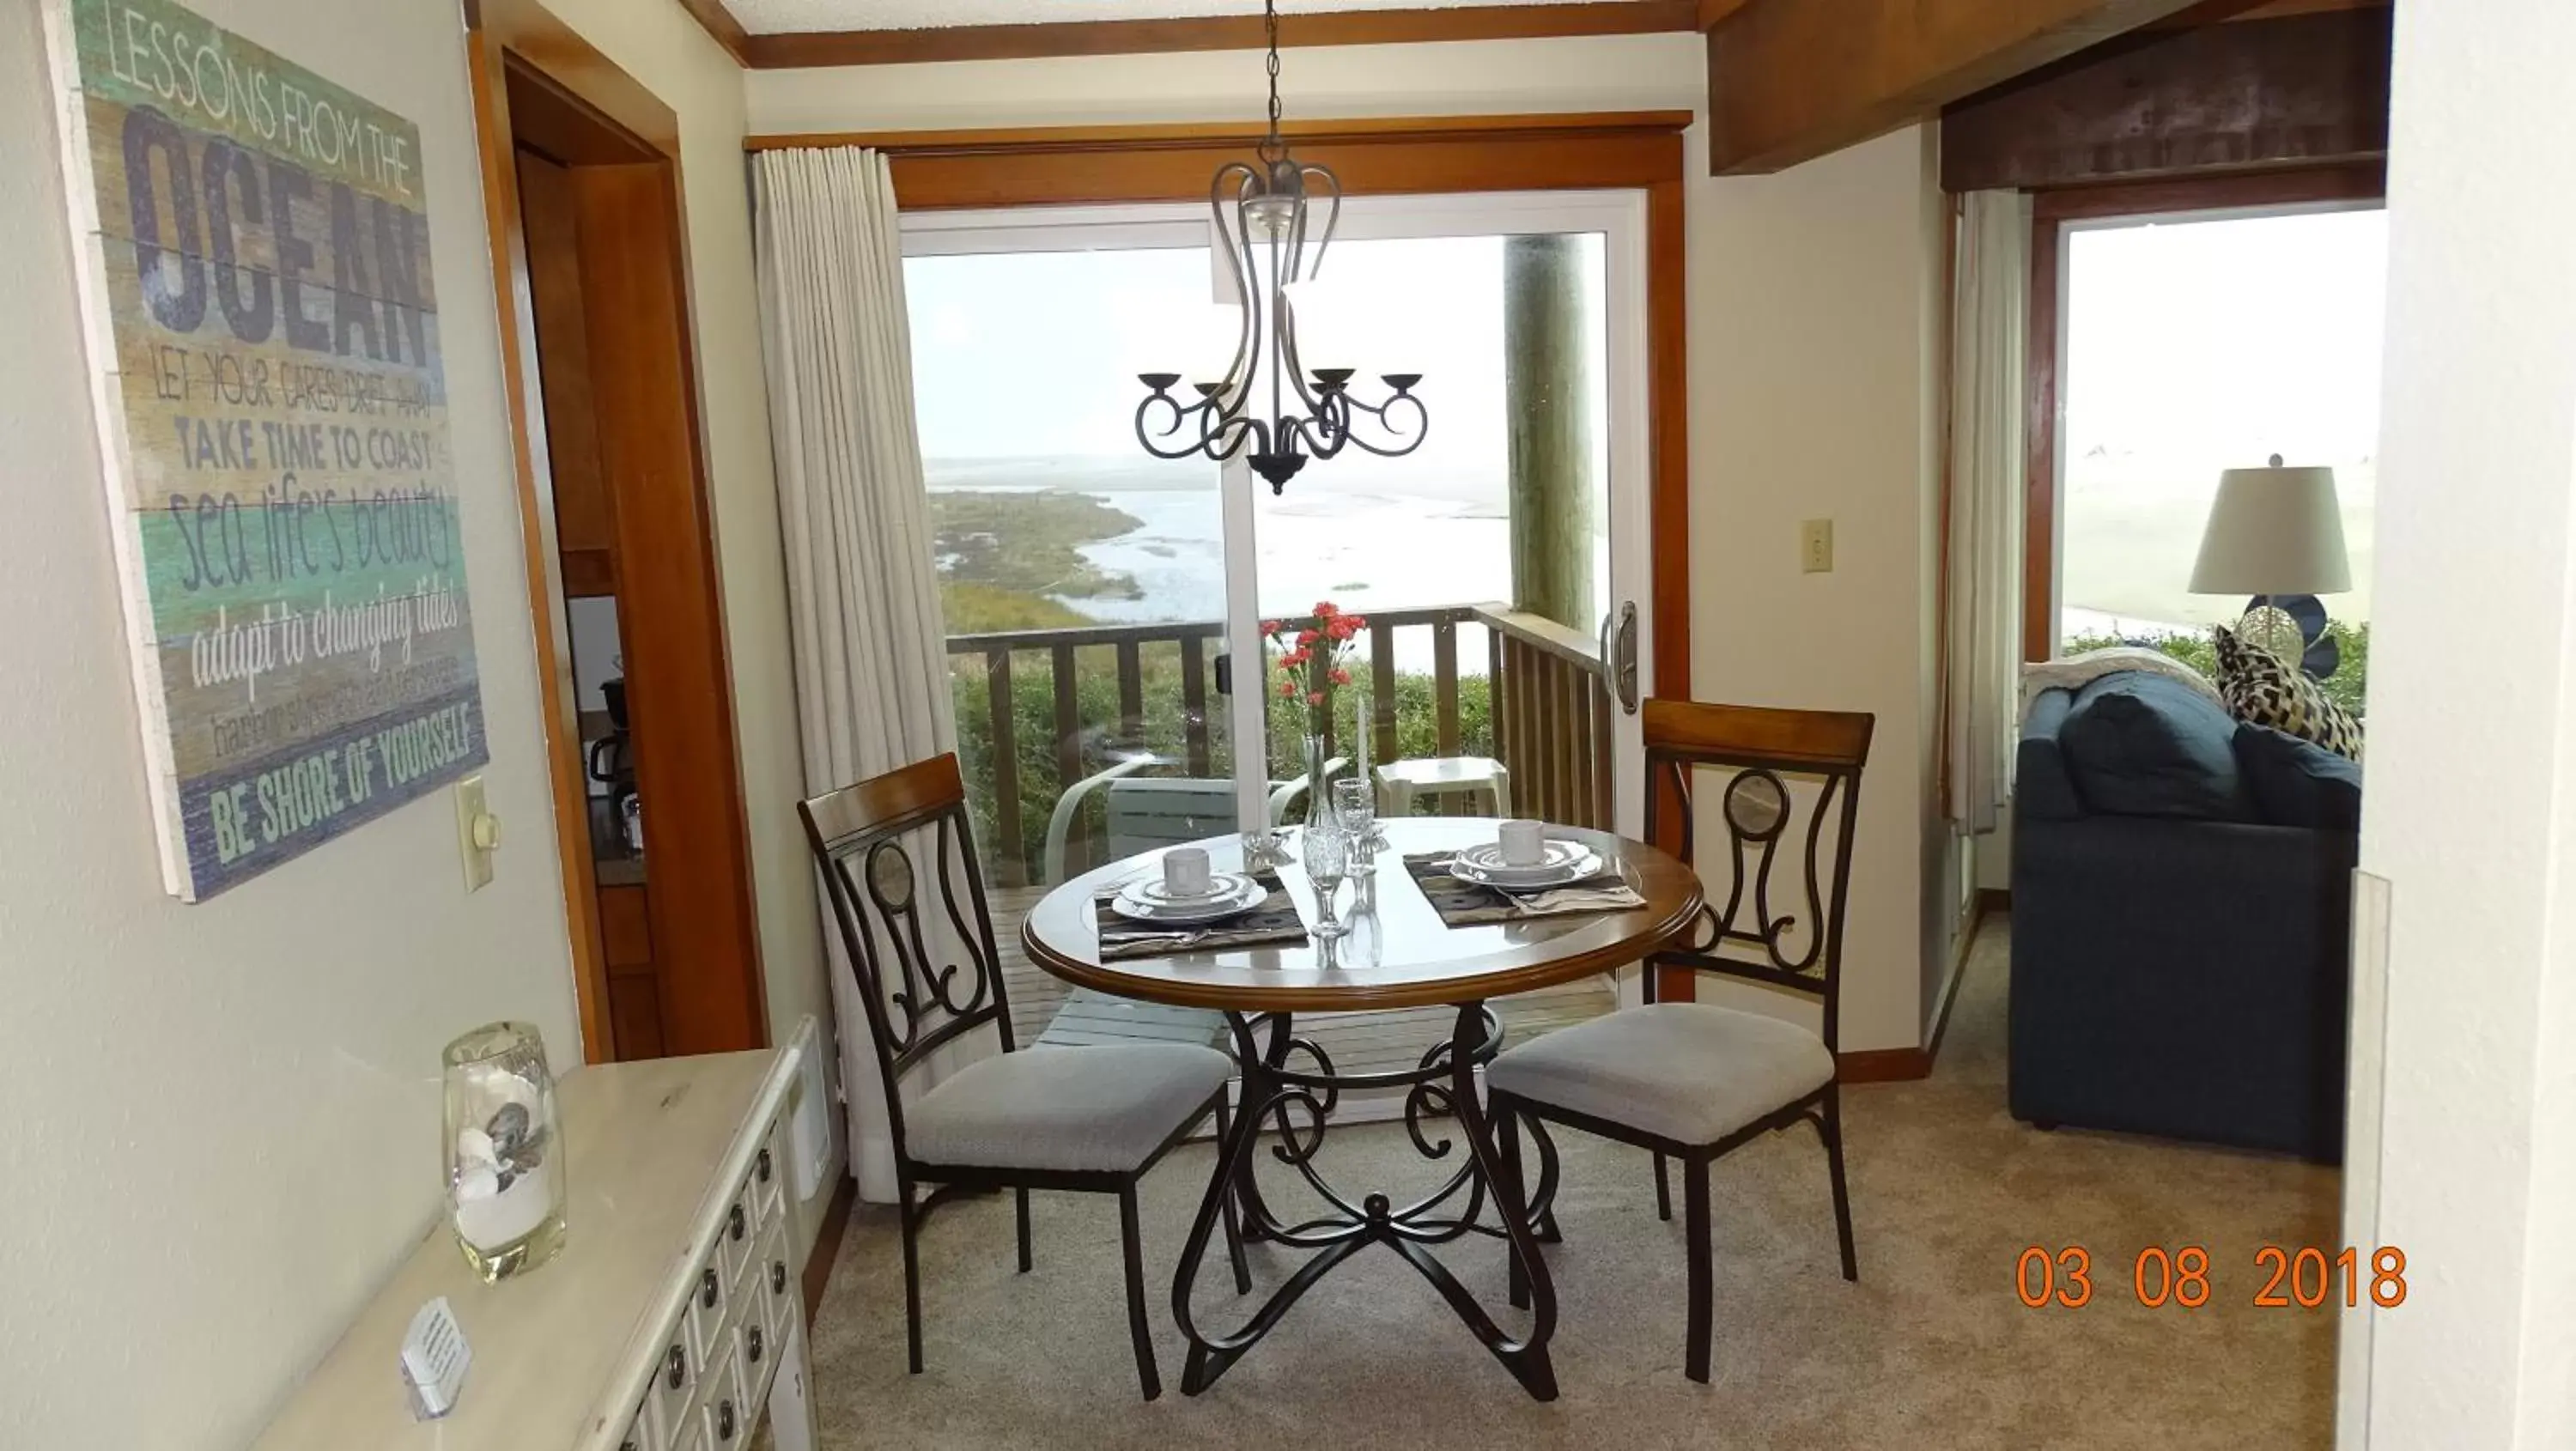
(764, 1166)
(778, 1277)
(724, 1420)
(679, 1372)
(751, 1344)
(707, 1289)
(734, 1223)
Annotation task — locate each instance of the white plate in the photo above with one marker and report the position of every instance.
(1210, 909)
(1157, 893)
(1565, 861)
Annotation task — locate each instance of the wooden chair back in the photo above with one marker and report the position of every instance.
(864, 838)
(1762, 752)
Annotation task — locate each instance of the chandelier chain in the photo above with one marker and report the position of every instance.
(1272, 147)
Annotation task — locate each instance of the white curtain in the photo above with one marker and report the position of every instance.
(863, 592)
(1990, 296)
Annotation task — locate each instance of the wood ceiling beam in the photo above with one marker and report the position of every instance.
(717, 21)
(792, 50)
(1789, 80)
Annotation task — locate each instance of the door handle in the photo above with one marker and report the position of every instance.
(1225, 674)
(1622, 658)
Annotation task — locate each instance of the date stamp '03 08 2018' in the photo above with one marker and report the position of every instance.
(2305, 1278)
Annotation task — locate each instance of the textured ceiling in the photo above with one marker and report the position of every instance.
(763, 17)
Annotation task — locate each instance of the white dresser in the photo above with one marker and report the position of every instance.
(676, 1305)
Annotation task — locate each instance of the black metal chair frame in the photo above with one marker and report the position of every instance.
(1817, 972)
(863, 827)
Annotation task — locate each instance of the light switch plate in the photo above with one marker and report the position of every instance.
(469, 811)
(1816, 546)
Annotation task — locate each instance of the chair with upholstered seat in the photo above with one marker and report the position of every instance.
(1088, 1118)
(1689, 1080)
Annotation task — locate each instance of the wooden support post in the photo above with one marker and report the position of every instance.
(1546, 390)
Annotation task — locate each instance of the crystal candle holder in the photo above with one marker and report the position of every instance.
(505, 1156)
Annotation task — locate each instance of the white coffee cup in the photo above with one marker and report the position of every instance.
(1185, 871)
(1524, 843)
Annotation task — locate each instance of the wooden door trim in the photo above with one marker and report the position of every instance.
(2051, 211)
(503, 35)
(567, 788)
(944, 170)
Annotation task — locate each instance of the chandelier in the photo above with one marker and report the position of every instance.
(1265, 220)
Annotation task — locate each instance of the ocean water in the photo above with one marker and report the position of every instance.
(1363, 551)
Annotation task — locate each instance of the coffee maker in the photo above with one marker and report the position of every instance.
(612, 764)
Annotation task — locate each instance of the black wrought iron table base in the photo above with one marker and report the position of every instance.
(1294, 1103)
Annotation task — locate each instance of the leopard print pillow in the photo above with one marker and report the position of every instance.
(2258, 686)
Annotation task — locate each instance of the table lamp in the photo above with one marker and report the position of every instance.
(2274, 531)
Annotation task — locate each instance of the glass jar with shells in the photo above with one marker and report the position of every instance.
(505, 1156)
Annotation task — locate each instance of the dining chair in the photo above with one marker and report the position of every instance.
(1091, 1119)
(1690, 1081)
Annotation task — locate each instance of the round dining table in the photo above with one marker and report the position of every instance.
(1399, 953)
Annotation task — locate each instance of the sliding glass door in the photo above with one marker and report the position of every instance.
(1105, 608)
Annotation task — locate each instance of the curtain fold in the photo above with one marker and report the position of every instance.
(1990, 297)
(870, 648)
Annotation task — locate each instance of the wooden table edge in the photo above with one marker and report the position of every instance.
(1358, 997)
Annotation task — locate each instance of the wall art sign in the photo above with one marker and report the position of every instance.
(263, 339)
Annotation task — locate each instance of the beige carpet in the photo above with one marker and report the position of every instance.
(1931, 1349)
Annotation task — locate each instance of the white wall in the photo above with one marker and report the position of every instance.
(222, 1121)
(1811, 298)
(1811, 380)
(2471, 811)
(672, 56)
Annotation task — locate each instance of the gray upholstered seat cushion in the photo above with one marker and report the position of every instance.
(1106, 1108)
(1689, 1072)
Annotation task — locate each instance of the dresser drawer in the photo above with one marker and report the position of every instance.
(693, 1435)
(769, 1175)
(675, 1379)
(778, 1286)
(738, 1231)
(711, 1293)
(642, 1433)
(729, 1406)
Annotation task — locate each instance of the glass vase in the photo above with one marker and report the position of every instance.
(1319, 791)
(505, 1153)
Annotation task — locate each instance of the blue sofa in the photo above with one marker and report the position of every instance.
(2181, 891)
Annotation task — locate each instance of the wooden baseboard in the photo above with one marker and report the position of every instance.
(827, 1244)
(1895, 1065)
(1882, 1065)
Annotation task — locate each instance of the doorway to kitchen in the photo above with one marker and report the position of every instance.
(582, 184)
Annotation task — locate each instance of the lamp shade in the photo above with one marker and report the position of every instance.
(2273, 531)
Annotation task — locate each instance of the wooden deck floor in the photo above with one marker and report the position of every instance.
(1358, 1042)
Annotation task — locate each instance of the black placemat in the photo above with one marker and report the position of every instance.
(1273, 923)
(1463, 903)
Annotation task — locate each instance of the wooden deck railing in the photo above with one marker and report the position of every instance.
(1552, 721)
(1550, 711)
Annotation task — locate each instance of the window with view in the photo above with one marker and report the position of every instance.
(2193, 347)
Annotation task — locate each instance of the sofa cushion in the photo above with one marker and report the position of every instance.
(2041, 788)
(2147, 745)
(2299, 783)
(2263, 688)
